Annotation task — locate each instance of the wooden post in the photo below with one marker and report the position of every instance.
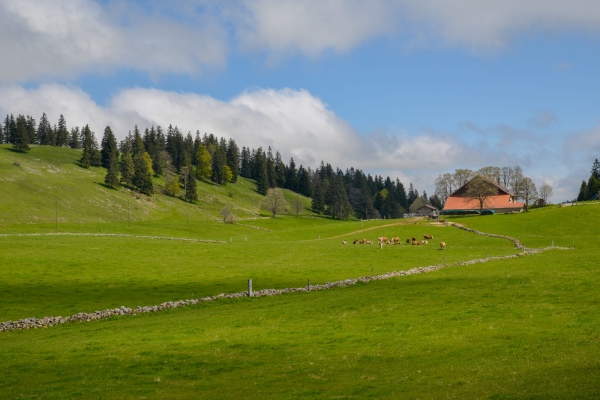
(371, 272)
(309, 285)
(249, 287)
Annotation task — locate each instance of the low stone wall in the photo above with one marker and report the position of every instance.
(45, 322)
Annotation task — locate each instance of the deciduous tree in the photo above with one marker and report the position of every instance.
(480, 189)
(275, 202)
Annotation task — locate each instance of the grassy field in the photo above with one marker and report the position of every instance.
(520, 328)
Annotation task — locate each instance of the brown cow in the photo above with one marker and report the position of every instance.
(407, 241)
(414, 239)
(355, 241)
(427, 237)
(442, 246)
(396, 240)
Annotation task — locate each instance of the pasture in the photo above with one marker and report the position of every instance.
(521, 328)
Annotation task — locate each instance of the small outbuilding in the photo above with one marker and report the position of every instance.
(426, 210)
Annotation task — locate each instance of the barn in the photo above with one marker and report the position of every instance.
(503, 202)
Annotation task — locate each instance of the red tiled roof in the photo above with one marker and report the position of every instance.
(493, 202)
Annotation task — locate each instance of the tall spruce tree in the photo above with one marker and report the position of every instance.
(262, 180)
(21, 142)
(74, 141)
(109, 147)
(219, 161)
(31, 130)
(190, 190)
(112, 175)
(43, 131)
(127, 169)
(62, 133)
(245, 169)
(233, 159)
(291, 179)
(304, 182)
(596, 169)
(279, 170)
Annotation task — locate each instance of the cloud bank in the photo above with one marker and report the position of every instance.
(65, 38)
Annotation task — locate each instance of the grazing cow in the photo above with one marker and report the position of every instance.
(363, 241)
(396, 240)
(427, 237)
(407, 241)
(442, 246)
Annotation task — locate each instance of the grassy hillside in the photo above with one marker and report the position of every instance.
(46, 178)
(521, 328)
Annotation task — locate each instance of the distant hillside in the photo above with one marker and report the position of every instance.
(33, 183)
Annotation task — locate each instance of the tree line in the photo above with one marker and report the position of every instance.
(591, 189)
(182, 159)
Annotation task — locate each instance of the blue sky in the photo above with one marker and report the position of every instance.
(403, 88)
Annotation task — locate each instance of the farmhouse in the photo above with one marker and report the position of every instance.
(503, 202)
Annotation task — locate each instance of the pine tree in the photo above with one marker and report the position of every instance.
(593, 187)
(596, 169)
(43, 131)
(262, 180)
(291, 179)
(142, 177)
(245, 169)
(318, 198)
(190, 189)
(304, 183)
(279, 170)
(21, 142)
(219, 162)
(109, 147)
(62, 133)
(127, 169)
(112, 175)
(336, 199)
(31, 130)
(233, 159)
(91, 156)
(74, 141)
(271, 172)
(12, 131)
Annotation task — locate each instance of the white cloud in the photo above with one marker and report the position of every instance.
(67, 37)
(313, 26)
(302, 126)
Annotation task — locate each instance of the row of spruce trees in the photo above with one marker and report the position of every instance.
(182, 159)
(591, 188)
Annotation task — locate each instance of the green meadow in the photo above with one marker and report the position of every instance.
(509, 329)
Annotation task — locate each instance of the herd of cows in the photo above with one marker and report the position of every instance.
(396, 240)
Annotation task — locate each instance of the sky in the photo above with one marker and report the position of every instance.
(403, 88)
